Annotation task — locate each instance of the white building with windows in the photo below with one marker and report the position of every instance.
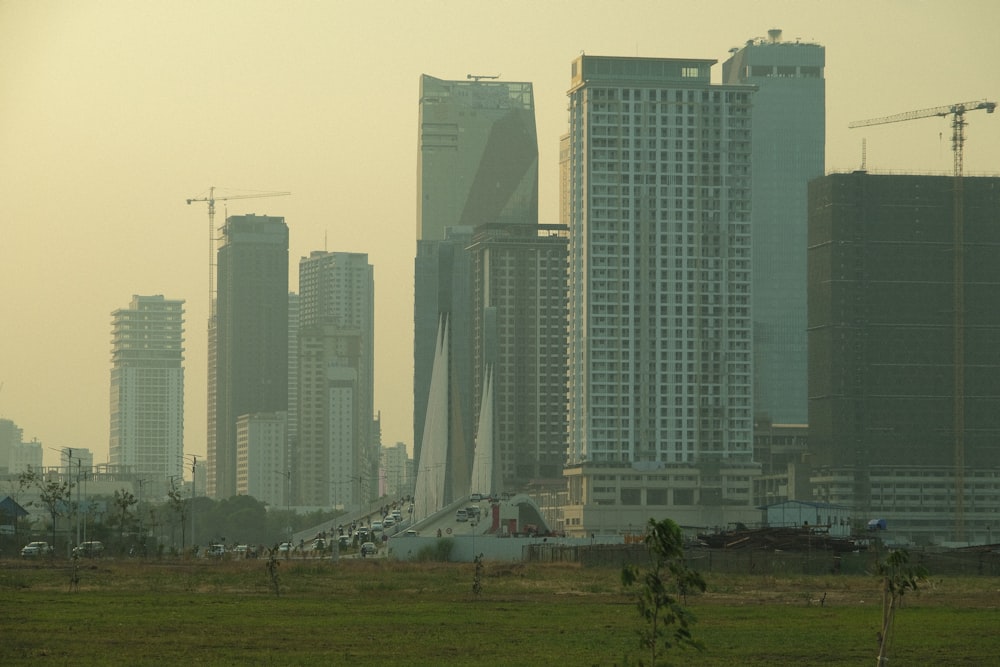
(335, 460)
(656, 190)
(261, 458)
(147, 390)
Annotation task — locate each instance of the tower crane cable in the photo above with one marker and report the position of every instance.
(957, 112)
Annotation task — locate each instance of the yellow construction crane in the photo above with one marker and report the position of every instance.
(957, 113)
(211, 199)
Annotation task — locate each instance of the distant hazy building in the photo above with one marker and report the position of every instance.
(147, 389)
(477, 164)
(248, 355)
(397, 471)
(782, 451)
(788, 142)
(292, 421)
(25, 456)
(883, 405)
(660, 382)
(519, 334)
(261, 462)
(10, 437)
(334, 455)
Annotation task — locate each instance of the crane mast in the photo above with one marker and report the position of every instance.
(957, 112)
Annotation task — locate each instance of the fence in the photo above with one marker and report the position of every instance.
(756, 561)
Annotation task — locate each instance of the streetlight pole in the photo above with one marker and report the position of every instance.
(78, 473)
(173, 501)
(194, 467)
(139, 513)
(288, 502)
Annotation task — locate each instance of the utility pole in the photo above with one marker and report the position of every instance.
(194, 467)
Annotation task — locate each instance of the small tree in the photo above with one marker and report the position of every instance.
(53, 495)
(179, 506)
(124, 502)
(898, 576)
(667, 621)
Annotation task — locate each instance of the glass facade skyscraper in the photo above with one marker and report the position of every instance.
(788, 140)
(249, 337)
(477, 163)
(478, 155)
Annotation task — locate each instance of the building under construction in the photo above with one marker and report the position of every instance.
(897, 428)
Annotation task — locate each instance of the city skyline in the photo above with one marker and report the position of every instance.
(116, 113)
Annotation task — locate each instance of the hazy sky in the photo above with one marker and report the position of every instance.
(112, 113)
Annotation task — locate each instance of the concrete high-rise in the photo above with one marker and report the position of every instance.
(788, 143)
(657, 173)
(248, 337)
(884, 391)
(335, 460)
(147, 389)
(477, 164)
(519, 333)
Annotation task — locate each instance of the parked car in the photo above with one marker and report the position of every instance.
(215, 551)
(36, 549)
(368, 549)
(285, 548)
(92, 549)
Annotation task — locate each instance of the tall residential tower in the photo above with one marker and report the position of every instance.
(147, 389)
(335, 462)
(657, 169)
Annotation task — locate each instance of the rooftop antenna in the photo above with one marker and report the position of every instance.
(477, 77)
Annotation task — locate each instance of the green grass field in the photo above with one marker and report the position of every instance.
(380, 612)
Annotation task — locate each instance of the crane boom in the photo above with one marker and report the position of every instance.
(211, 199)
(958, 109)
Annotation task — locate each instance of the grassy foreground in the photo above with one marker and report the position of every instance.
(377, 612)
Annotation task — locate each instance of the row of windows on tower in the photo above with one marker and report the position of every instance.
(672, 95)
